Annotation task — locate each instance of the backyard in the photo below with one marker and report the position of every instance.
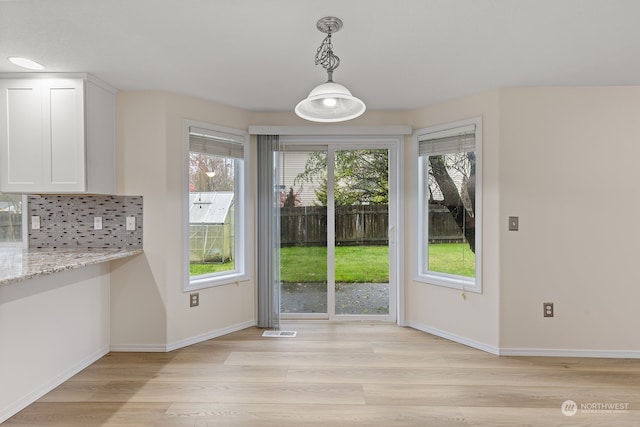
(354, 264)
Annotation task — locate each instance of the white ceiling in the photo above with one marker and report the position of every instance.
(259, 54)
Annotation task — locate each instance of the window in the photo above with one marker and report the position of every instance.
(450, 205)
(13, 220)
(215, 205)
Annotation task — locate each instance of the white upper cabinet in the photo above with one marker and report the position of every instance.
(57, 135)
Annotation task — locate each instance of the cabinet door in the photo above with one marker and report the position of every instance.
(57, 135)
(64, 135)
(21, 135)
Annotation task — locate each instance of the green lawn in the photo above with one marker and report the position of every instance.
(303, 264)
(198, 269)
(355, 264)
(452, 258)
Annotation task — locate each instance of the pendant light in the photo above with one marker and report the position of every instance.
(330, 101)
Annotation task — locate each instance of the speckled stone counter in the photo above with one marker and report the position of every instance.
(21, 264)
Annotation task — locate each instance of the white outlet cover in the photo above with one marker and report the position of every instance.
(35, 222)
(97, 223)
(131, 223)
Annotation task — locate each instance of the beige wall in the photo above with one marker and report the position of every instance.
(469, 317)
(149, 309)
(138, 310)
(569, 170)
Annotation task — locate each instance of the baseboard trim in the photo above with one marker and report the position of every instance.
(36, 394)
(164, 348)
(541, 352)
(547, 352)
(455, 338)
(139, 348)
(209, 335)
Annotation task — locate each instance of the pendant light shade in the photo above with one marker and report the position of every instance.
(330, 101)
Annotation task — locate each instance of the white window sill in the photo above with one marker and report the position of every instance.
(213, 281)
(450, 281)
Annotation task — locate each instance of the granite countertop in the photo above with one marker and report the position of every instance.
(21, 264)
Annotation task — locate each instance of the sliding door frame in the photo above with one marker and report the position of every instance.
(333, 143)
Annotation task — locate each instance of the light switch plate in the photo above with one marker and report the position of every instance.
(513, 223)
(97, 223)
(131, 223)
(35, 222)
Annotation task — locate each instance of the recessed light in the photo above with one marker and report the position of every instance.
(26, 63)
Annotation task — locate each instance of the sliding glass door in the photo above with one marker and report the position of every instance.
(303, 232)
(337, 213)
(361, 243)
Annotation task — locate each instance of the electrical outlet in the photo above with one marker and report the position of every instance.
(97, 223)
(35, 222)
(513, 223)
(131, 223)
(547, 309)
(194, 299)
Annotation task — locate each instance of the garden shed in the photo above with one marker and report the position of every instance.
(211, 220)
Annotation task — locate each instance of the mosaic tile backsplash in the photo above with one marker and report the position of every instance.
(68, 221)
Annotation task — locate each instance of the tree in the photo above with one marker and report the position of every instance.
(210, 173)
(460, 200)
(361, 176)
(290, 199)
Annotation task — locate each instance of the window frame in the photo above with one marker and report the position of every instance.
(242, 192)
(24, 242)
(437, 278)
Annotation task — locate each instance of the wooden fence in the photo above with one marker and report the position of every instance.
(443, 227)
(355, 225)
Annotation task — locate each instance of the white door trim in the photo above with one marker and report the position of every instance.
(395, 144)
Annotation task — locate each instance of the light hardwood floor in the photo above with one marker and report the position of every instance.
(338, 374)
